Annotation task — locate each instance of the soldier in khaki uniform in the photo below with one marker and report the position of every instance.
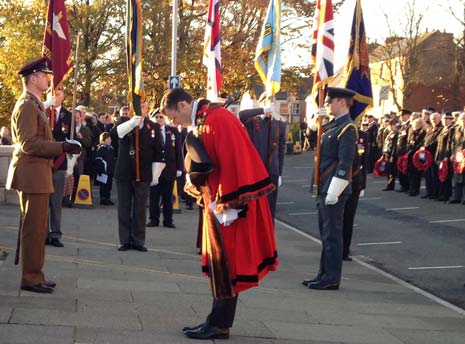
(30, 172)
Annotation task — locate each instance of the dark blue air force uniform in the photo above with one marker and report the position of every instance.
(338, 148)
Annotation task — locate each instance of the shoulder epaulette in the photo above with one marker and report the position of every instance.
(348, 125)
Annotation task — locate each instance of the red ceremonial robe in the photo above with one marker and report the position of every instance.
(239, 179)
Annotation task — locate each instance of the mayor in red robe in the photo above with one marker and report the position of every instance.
(238, 242)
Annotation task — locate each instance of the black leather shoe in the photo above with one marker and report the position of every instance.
(39, 288)
(56, 242)
(454, 201)
(347, 258)
(170, 225)
(320, 285)
(187, 328)
(307, 282)
(387, 189)
(207, 331)
(152, 224)
(124, 247)
(140, 248)
(47, 241)
(50, 284)
(425, 196)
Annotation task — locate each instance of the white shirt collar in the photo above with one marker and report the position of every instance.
(194, 112)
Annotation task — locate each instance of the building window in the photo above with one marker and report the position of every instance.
(295, 109)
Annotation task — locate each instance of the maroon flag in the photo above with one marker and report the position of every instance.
(57, 43)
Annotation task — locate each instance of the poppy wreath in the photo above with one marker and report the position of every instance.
(458, 161)
(402, 164)
(422, 160)
(443, 170)
(380, 167)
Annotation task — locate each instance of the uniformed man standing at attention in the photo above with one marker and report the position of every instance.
(268, 135)
(401, 147)
(30, 172)
(132, 193)
(338, 148)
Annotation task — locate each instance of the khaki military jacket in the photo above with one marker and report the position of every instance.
(31, 166)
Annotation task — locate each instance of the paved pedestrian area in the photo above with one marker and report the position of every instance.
(107, 296)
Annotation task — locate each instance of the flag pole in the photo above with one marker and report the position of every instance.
(73, 111)
(316, 180)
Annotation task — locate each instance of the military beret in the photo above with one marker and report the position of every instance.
(37, 65)
(370, 115)
(386, 119)
(405, 112)
(393, 120)
(447, 115)
(339, 92)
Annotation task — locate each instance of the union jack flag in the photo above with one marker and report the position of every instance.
(322, 44)
(212, 50)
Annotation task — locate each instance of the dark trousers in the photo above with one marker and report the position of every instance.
(432, 181)
(414, 179)
(459, 187)
(223, 312)
(391, 171)
(349, 215)
(273, 197)
(330, 222)
(132, 201)
(55, 204)
(163, 190)
(105, 189)
(445, 188)
(403, 181)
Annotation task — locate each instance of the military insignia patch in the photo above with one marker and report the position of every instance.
(341, 173)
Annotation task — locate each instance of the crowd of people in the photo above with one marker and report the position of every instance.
(235, 185)
(411, 146)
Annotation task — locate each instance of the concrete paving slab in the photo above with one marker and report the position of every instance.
(331, 333)
(427, 337)
(105, 336)
(86, 319)
(29, 334)
(162, 285)
(108, 296)
(34, 302)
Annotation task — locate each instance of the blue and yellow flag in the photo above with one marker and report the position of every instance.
(357, 70)
(136, 93)
(268, 53)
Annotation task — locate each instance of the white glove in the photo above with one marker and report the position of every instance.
(178, 173)
(71, 160)
(226, 217)
(362, 193)
(267, 109)
(157, 168)
(51, 100)
(322, 112)
(125, 128)
(280, 181)
(336, 187)
(313, 123)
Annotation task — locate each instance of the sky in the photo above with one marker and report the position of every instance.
(436, 16)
